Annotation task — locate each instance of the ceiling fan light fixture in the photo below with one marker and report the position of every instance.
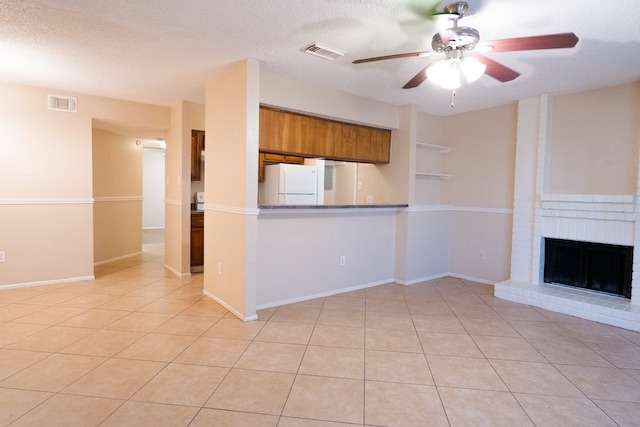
(448, 72)
(472, 69)
(444, 73)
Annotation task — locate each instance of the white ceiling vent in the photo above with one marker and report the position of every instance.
(62, 103)
(324, 51)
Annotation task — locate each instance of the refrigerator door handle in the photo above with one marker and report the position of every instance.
(284, 180)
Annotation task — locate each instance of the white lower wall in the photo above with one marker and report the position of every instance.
(475, 231)
(46, 241)
(422, 247)
(299, 252)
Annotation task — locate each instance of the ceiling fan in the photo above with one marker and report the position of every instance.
(457, 40)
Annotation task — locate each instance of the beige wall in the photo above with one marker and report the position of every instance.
(117, 193)
(594, 141)
(482, 161)
(480, 191)
(326, 102)
(46, 212)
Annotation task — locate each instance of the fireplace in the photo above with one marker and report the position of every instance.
(585, 241)
(595, 266)
(544, 209)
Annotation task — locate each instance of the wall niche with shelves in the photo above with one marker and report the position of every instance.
(428, 172)
(428, 160)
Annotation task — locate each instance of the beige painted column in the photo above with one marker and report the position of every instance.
(231, 189)
(404, 139)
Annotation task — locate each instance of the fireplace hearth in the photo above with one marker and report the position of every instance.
(596, 266)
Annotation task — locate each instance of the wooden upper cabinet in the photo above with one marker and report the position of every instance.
(197, 145)
(291, 133)
(345, 141)
(373, 144)
(274, 130)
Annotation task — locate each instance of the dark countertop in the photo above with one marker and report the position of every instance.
(331, 206)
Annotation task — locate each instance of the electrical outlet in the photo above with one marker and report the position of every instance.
(369, 199)
(2, 256)
(220, 268)
(481, 255)
(359, 185)
(343, 261)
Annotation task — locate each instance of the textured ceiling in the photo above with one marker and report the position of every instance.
(163, 51)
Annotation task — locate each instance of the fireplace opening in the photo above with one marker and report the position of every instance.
(595, 266)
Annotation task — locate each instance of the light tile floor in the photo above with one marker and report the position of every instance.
(138, 346)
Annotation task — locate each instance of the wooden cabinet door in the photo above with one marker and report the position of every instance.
(344, 141)
(314, 136)
(380, 149)
(272, 130)
(373, 144)
(197, 239)
(197, 145)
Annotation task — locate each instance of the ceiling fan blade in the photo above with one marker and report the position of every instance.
(396, 56)
(424, 9)
(497, 70)
(417, 79)
(549, 41)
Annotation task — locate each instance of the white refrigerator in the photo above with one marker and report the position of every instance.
(287, 184)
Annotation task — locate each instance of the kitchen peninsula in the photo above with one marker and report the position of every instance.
(307, 252)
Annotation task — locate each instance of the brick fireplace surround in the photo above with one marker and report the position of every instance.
(599, 218)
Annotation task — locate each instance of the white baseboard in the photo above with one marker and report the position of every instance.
(176, 272)
(120, 258)
(228, 307)
(440, 276)
(322, 294)
(421, 279)
(48, 282)
(472, 279)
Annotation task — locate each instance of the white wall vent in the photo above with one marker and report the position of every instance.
(62, 103)
(324, 51)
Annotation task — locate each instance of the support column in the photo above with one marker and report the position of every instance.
(530, 180)
(231, 189)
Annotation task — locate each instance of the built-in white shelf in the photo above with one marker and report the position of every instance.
(433, 175)
(435, 162)
(439, 148)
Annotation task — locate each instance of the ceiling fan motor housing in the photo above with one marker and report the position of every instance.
(456, 38)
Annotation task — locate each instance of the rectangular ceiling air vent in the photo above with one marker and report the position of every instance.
(324, 51)
(62, 103)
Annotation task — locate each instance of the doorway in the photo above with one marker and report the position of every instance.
(118, 192)
(153, 187)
